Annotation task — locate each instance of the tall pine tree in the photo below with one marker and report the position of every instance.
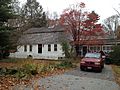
(5, 14)
(33, 14)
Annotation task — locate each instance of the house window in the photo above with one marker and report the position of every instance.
(91, 48)
(55, 47)
(95, 48)
(30, 48)
(49, 47)
(25, 48)
(98, 48)
(103, 47)
(108, 47)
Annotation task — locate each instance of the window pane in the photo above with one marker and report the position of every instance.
(30, 48)
(49, 47)
(108, 47)
(55, 47)
(91, 48)
(94, 48)
(103, 47)
(98, 48)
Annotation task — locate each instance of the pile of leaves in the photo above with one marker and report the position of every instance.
(24, 71)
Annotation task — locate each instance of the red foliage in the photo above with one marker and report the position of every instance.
(82, 25)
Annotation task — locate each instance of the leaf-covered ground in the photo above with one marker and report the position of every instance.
(116, 70)
(9, 81)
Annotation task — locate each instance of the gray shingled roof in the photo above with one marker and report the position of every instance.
(112, 41)
(57, 28)
(43, 35)
(53, 35)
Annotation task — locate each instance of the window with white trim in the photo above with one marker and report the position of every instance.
(25, 48)
(94, 48)
(30, 47)
(49, 47)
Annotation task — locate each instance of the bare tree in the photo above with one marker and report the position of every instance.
(117, 12)
(117, 32)
(111, 24)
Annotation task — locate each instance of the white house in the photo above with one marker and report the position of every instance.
(41, 43)
(45, 43)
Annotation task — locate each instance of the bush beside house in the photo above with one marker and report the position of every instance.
(115, 55)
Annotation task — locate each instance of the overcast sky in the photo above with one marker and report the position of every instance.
(103, 7)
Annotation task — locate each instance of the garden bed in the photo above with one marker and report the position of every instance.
(23, 71)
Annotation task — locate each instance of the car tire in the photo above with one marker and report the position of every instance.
(100, 70)
(102, 66)
(82, 69)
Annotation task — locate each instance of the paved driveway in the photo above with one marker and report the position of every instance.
(106, 74)
(79, 80)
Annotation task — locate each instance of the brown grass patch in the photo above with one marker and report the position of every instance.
(116, 70)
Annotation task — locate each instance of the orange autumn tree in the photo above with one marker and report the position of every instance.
(82, 26)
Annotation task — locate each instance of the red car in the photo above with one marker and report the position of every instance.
(93, 61)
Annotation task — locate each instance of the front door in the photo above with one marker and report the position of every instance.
(39, 48)
(84, 50)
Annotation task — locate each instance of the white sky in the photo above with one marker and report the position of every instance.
(104, 8)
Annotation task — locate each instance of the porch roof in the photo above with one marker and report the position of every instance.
(97, 42)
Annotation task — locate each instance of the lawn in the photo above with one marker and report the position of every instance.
(23, 71)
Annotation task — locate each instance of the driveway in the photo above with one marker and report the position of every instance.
(79, 80)
(106, 73)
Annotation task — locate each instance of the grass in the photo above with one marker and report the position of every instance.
(116, 70)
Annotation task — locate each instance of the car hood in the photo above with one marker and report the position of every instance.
(91, 59)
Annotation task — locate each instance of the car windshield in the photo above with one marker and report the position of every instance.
(92, 55)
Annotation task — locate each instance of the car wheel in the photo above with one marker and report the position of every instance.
(100, 70)
(102, 66)
(82, 69)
